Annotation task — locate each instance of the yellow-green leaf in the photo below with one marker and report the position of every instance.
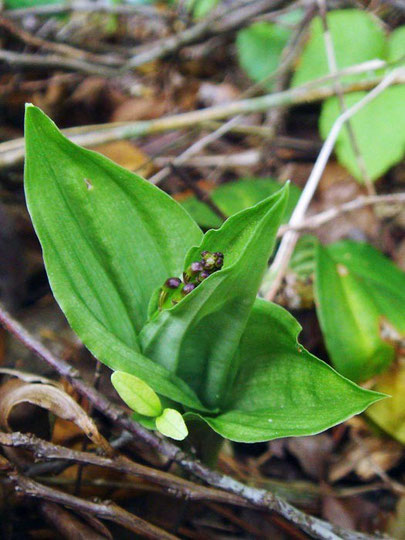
(171, 424)
(138, 395)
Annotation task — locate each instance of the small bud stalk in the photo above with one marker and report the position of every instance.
(175, 289)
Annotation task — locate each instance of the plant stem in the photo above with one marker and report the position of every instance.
(205, 442)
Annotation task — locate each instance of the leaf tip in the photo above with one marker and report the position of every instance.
(171, 424)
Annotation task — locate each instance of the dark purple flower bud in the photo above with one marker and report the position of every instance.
(219, 255)
(188, 288)
(219, 263)
(205, 253)
(203, 275)
(172, 283)
(196, 267)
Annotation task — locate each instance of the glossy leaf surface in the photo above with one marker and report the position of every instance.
(171, 424)
(197, 338)
(232, 197)
(105, 246)
(99, 230)
(280, 389)
(137, 394)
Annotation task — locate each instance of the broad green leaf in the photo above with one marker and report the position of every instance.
(356, 37)
(360, 298)
(380, 144)
(232, 197)
(171, 424)
(280, 389)
(109, 237)
(389, 414)
(137, 394)
(198, 337)
(201, 8)
(259, 49)
(396, 45)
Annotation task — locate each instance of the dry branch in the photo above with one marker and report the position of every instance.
(50, 61)
(259, 498)
(221, 20)
(317, 220)
(280, 264)
(12, 152)
(173, 485)
(104, 510)
(59, 48)
(82, 7)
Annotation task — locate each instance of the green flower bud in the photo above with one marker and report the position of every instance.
(209, 262)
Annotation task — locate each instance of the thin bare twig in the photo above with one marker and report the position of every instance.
(173, 485)
(289, 55)
(12, 152)
(284, 252)
(104, 510)
(201, 195)
(59, 48)
(333, 68)
(292, 49)
(221, 20)
(249, 158)
(55, 61)
(314, 222)
(259, 498)
(83, 7)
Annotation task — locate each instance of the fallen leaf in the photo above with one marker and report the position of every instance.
(55, 400)
(312, 452)
(142, 108)
(365, 457)
(127, 155)
(391, 416)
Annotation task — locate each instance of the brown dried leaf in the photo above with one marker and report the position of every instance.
(366, 456)
(312, 453)
(14, 392)
(127, 155)
(27, 377)
(142, 108)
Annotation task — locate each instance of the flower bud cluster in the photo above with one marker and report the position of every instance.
(175, 289)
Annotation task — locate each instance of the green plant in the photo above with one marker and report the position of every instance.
(196, 348)
(360, 297)
(357, 37)
(20, 4)
(260, 46)
(235, 196)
